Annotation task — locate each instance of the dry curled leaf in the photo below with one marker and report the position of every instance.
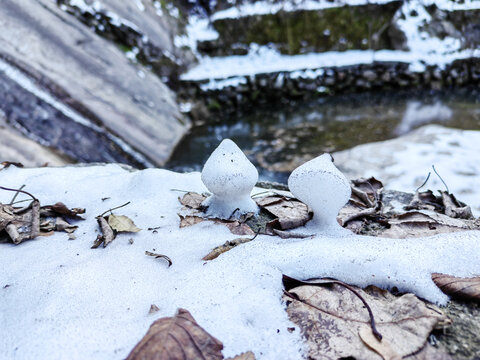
(331, 318)
(177, 338)
(229, 245)
(466, 288)
(107, 236)
(189, 220)
(192, 200)
(244, 356)
(7, 164)
(424, 223)
(290, 213)
(25, 223)
(60, 208)
(122, 223)
(159, 256)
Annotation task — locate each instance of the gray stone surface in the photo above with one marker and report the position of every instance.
(92, 75)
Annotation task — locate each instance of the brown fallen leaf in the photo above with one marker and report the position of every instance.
(189, 220)
(466, 288)
(60, 208)
(424, 223)
(107, 236)
(6, 164)
(290, 212)
(180, 338)
(229, 245)
(159, 256)
(237, 228)
(122, 223)
(455, 208)
(25, 224)
(244, 356)
(62, 225)
(153, 309)
(193, 200)
(331, 318)
(383, 347)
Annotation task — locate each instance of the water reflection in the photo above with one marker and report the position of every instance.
(279, 138)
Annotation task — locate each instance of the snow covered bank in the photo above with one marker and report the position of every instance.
(65, 300)
(404, 163)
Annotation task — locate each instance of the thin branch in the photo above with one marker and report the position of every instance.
(375, 332)
(16, 194)
(115, 208)
(19, 190)
(233, 213)
(433, 167)
(425, 182)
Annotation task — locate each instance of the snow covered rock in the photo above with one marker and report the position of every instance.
(230, 177)
(320, 185)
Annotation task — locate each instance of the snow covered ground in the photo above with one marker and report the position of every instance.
(66, 300)
(423, 49)
(404, 163)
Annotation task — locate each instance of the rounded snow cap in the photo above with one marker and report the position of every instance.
(320, 185)
(230, 177)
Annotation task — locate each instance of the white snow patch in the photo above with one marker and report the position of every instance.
(404, 163)
(78, 303)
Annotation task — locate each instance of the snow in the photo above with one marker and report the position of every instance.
(423, 49)
(320, 185)
(65, 300)
(404, 163)
(230, 177)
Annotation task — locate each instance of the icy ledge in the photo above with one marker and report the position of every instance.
(61, 293)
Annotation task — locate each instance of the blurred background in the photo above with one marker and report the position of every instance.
(389, 87)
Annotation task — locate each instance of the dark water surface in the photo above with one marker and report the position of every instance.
(278, 139)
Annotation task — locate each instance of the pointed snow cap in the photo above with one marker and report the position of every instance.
(320, 185)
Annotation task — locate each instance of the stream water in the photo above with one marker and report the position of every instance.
(278, 139)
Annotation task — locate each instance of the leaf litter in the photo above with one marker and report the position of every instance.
(18, 224)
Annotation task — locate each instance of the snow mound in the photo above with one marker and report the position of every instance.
(320, 185)
(80, 303)
(230, 177)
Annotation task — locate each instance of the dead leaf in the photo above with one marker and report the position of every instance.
(153, 309)
(122, 223)
(466, 288)
(424, 223)
(290, 212)
(179, 337)
(193, 200)
(6, 164)
(237, 228)
(455, 208)
(108, 235)
(189, 220)
(383, 347)
(290, 235)
(159, 256)
(62, 225)
(331, 318)
(60, 208)
(244, 356)
(229, 245)
(425, 200)
(25, 224)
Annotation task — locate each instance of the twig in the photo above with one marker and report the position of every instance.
(16, 194)
(233, 213)
(185, 191)
(433, 167)
(115, 208)
(375, 332)
(261, 193)
(19, 190)
(425, 182)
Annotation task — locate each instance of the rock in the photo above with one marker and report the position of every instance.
(93, 78)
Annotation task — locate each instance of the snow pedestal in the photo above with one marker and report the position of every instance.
(320, 185)
(230, 177)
